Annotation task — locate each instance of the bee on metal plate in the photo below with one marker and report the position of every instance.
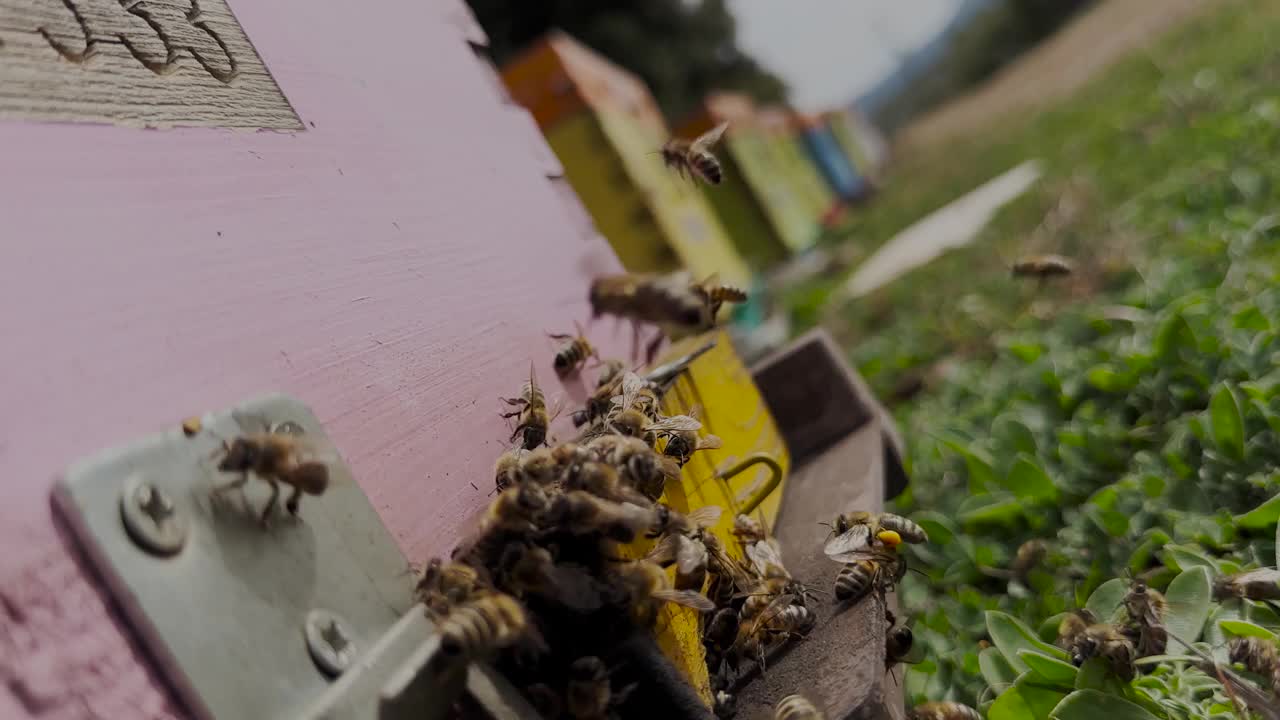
(479, 628)
(693, 158)
(854, 532)
(446, 584)
(276, 458)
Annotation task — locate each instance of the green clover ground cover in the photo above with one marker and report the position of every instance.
(1128, 418)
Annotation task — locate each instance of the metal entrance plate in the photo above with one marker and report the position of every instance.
(221, 602)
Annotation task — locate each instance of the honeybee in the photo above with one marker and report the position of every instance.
(583, 513)
(1259, 656)
(533, 418)
(446, 584)
(515, 509)
(1042, 266)
(716, 294)
(724, 705)
(613, 369)
(857, 579)
(944, 711)
(899, 642)
(694, 158)
(797, 707)
(540, 466)
(603, 481)
(506, 471)
(1029, 554)
(574, 352)
(720, 631)
(1085, 638)
(637, 463)
(689, 556)
(747, 530)
(480, 628)
(683, 442)
(649, 588)
(1259, 584)
(854, 533)
(589, 695)
(676, 303)
(275, 458)
(670, 522)
(1146, 610)
(528, 570)
(729, 576)
(779, 618)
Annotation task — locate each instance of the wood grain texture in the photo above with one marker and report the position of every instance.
(154, 63)
(395, 266)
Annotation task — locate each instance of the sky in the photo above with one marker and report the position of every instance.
(831, 51)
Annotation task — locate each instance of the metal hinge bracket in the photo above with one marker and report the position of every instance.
(312, 616)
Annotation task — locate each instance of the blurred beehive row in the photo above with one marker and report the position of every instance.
(788, 176)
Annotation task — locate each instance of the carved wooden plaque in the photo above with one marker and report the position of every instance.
(153, 63)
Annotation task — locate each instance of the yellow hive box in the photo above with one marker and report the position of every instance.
(606, 129)
(746, 475)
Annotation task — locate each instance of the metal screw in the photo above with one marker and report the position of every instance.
(330, 642)
(151, 518)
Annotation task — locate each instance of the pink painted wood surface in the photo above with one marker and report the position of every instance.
(395, 266)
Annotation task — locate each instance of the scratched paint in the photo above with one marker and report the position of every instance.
(395, 266)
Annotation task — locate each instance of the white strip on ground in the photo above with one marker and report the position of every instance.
(947, 227)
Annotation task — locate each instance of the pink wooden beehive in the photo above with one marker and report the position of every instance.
(394, 264)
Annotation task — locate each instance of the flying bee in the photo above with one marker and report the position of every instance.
(1029, 554)
(515, 509)
(797, 707)
(944, 711)
(854, 532)
(532, 416)
(1042, 266)
(676, 303)
(1146, 610)
(1259, 656)
(589, 695)
(693, 158)
(573, 353)
(446, 584)
(716, 295)
(878, 567)
(1260, 584)
(898, 644)
(583, 513)
(1085, 638)
(480, 628)
(598, 403)
(275, 458)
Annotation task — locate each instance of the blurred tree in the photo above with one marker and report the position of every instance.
(683, 49)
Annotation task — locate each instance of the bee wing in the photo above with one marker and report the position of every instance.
(708, 138)
(855, 539)
(675, 423)
(706, 516)
(687, 598)
(710, 442)
(664, 553)
(632, 384)
(772, 610)
(763, 554)
(689, 554)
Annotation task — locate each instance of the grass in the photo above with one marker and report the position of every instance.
(1127, 419)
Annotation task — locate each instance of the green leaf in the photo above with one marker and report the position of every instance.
(1010, 636)
(1094, 705)
(1029, 481)
(1002, 511)
(1010, 706)
(1185, 558)
(1240, 628)
(1105, 600)
(941, 529)
(1107, 379)
(977, 465)
(1173, 335)
(1017, 435)
(1052, 670)
(1095, 674)
(997, 671)
(1262, 517)
(1227, 422)
(1188, 597)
